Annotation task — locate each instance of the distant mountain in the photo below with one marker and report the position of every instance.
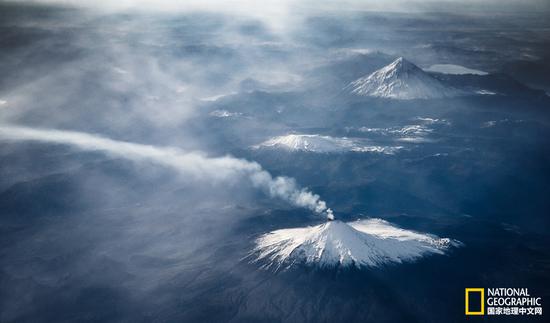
(371, 242)
(401, 80)
(312, 143)
(323, 144)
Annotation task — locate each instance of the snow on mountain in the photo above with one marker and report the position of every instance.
(400, 80)
(224, 114)
(323, 144)
(485, 92)
(363, 243)
(414, 133)
(433, 121)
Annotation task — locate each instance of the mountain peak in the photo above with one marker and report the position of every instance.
(403, 64)
(324, 144)
(400, 61)
(400, 79)
(400, 66)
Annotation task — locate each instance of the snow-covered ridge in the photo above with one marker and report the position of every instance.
(433, 121)
(400, 80)
(409, 133)
(323, 144)
(408, 130)
(224, 114)
(417, 133)
(363, 243)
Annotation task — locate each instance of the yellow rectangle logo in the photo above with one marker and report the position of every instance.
(482, 300)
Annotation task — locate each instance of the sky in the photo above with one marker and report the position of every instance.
(280, 6)
(280, 15)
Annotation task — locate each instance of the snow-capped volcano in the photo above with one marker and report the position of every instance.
(316, 143)
(363, 243)
(323, 144)
(400, 80)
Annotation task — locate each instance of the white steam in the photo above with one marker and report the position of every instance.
(190, 164)
(287, 189)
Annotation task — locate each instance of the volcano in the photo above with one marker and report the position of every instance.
(324, 144)
(400, 80)
(363, 243)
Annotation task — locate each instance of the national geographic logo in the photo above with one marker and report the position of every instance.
(475, 301)
(501, 301)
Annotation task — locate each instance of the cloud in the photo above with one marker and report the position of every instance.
(190, 164)
(272, 12)
(280, 8)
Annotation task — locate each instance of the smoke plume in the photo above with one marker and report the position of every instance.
(190, 164)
